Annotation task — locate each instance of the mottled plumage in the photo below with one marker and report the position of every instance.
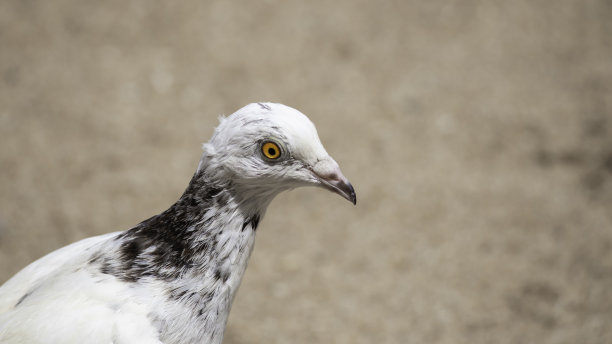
(172, 278)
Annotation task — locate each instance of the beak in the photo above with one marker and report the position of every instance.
(331, 178)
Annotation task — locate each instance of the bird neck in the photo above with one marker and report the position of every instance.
(196, 252)
(207, 236)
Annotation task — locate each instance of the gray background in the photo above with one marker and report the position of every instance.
(478, 135)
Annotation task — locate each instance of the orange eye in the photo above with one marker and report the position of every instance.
(271, 150)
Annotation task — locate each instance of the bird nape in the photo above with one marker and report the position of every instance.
(172, 278)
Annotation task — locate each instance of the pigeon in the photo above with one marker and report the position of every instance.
(172, 278)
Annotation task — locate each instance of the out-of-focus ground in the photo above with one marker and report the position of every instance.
(478, 135)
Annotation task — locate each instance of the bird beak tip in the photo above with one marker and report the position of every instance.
(343, 188)
(333, 180)
(352, 196)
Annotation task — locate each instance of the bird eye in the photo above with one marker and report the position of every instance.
(270, 150)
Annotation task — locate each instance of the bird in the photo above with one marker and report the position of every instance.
(173, 277)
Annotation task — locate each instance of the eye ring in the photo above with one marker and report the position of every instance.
(271, 150)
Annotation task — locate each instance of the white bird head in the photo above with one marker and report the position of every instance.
(265, 148)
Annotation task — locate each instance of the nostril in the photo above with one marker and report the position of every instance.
(327, 169)
(333, 177)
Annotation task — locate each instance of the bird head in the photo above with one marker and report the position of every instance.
(266, 148)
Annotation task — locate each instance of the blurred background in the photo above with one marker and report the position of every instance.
(478, 135)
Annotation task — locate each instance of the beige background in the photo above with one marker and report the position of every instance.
(478, 135)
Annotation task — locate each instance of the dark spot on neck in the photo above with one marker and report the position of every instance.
(252, 221)
(130, 250)
(163, 246)
(221, 275)
(168, 245)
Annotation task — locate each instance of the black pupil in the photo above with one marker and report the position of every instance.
(272, 151)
